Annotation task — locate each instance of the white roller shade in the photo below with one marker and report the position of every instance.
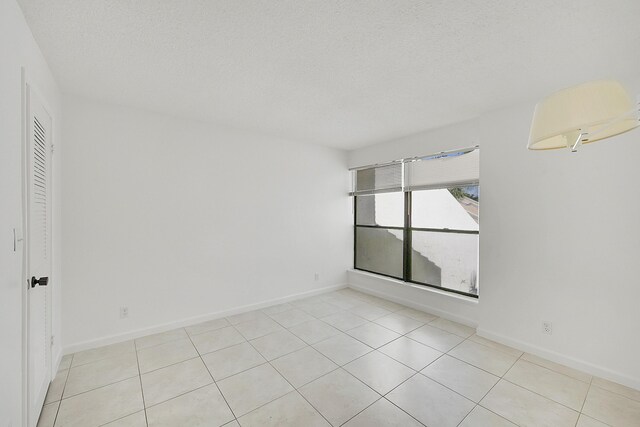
(443, 170)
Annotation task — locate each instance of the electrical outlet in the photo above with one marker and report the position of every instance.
(547, 327)
(124, 312)
(316, 277)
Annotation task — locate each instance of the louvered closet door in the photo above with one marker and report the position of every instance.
(38, 252)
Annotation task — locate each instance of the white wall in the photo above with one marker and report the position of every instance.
(18, 49)
(559, 240)
(177, 219)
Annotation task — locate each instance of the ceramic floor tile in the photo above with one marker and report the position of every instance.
(612, 408)
(344, 303)
(354, 293)
(288, 410)
(103, 387)
(553, 385)
(422, 316)
(161, 338)
(379, 371)
(483, 357)
(291, 317)
(159, 356)
(617, 388)
(455, 328)
(278, 308)
(382, 414)
(65, 362)
(342, 348)
(56, 387)
(233, 423)
(410, 352)
(314, 331)
(138, 419)
(436, 338)
(369, 311)
(574, 373)
(344, 320)
(217, 340)
(398, 323)
(169, 382)
(203, 407)
(386, 304)
(48, 415)
(103, 372)
(373, 335)
(585, 421)
(526, 408)
(430, 403)
(232, 360)
(101, 405)
(257, 328)
(481, 417)
(303, 366)
(338, 396)
(251, 389)
(245, 317)
(320, 309)
(277, 344)
(469, 381)
(210, 325)
(95, 354)
(496, 346)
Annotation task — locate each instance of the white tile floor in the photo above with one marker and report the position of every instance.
(341, 358)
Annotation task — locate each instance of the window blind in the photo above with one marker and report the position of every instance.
(377, 179)
(447, 169)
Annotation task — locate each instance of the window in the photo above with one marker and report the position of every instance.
(424, 231)
(379, 233)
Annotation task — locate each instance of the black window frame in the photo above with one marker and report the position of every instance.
(408, 230)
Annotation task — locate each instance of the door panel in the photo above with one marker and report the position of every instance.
(38, 252)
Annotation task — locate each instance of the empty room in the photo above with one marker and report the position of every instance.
(362, 213)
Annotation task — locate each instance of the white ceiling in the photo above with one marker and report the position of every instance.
(339, 73)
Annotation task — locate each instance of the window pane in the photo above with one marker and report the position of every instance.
(385, 209)
(379, 250)
(454, 208)
(449, 260)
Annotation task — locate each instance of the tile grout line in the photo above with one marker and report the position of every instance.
(535, 392)
(213, 379)
(292, 386)
(55, 419)
(488, 391)
(144, 405)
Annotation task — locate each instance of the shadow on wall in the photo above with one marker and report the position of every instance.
(380, 251)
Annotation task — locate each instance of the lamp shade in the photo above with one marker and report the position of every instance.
(599, 109)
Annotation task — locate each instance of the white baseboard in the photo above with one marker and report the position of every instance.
(423, 307)
(581, 365)
(138, 333)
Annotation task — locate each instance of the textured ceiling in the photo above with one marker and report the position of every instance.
(337, 73)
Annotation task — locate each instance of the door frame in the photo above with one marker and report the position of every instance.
(29, 85)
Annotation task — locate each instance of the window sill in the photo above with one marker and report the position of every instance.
(451, 295)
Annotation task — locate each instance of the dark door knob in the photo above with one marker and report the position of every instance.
(43, 281)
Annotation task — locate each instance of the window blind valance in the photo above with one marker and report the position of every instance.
(445, 169)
